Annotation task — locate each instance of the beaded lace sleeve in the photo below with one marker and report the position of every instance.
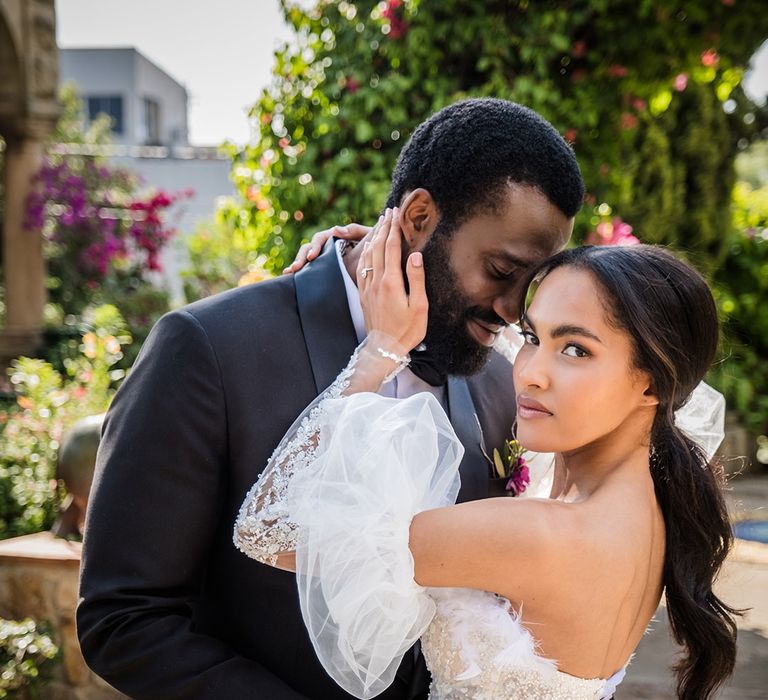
(264, 529)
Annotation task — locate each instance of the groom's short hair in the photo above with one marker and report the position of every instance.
(468, 152)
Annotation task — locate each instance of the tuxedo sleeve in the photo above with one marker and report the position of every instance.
(155, 504)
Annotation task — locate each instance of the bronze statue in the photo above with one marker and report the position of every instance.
(74, 466)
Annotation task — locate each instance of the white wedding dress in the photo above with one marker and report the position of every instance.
(340, 492)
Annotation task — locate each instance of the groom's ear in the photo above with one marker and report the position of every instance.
(418, 218)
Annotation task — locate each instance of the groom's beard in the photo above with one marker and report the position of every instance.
(448, 340)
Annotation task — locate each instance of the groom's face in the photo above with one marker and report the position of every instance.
(474, 274)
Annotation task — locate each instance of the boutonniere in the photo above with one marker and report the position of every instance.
(510, 464)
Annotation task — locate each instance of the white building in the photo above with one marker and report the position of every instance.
(147, 106)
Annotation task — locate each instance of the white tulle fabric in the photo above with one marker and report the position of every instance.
(702, 418)
(379, 462)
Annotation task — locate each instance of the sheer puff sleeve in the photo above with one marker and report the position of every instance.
(336, 502)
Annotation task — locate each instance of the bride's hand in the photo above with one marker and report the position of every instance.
(392, 316)
(309, 251)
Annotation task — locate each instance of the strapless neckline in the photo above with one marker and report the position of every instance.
(477, 647)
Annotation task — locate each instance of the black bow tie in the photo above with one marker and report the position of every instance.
(426, 367)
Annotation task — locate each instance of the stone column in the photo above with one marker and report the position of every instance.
(23, 263)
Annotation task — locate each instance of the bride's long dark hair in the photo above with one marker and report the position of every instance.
(667, 309)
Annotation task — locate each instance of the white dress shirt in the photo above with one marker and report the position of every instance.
(406, 383)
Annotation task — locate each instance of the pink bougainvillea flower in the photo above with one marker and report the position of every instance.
(397, 28)
(622, 233)
(616, 70)
(397, 25)
(579, 49)
(681, 82)
(614, 232)
(79, 392)
(628, 121)
(578, 75)
(710, 58)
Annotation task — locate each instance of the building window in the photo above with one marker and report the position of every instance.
(111, 106)
(152, 122)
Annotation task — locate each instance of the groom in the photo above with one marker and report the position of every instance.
(169, 608)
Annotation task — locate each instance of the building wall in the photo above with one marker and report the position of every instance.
(209, 178)
(126, 73)
(153, 83)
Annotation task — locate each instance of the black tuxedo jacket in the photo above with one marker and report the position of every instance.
(169, 608)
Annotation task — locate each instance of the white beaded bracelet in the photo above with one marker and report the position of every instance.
(401, 361)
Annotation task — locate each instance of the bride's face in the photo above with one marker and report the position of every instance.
(574, 378)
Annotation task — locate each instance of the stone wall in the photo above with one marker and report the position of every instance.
(38, 579)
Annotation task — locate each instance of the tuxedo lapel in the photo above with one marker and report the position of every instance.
(473, 468)
(325, 320)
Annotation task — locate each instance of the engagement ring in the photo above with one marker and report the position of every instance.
(364, 272)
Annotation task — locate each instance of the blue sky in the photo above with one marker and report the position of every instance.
(221, 51)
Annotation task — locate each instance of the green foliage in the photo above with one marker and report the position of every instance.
(741, 290)
(220, 255)
(752, 165)
(27, 654)
(682, 177)
(635, 86)
(47, 404)
(73, 127)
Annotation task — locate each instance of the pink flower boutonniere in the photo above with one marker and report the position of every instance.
(510, 464)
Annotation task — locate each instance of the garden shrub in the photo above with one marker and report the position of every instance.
(221, 256)
(741, 291)
(638, 89)
(102, 233)
(27, 655)
(48, 404)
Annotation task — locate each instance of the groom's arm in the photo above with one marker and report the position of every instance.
(154, 508)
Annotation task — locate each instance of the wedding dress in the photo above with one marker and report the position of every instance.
(336, 502)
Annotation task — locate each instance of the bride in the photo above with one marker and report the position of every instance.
(512, 598)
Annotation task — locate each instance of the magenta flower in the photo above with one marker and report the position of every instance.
(520, 478)
(397, 25)
(616, 70)
(92, 212)
(615, 232)
(710, 58)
